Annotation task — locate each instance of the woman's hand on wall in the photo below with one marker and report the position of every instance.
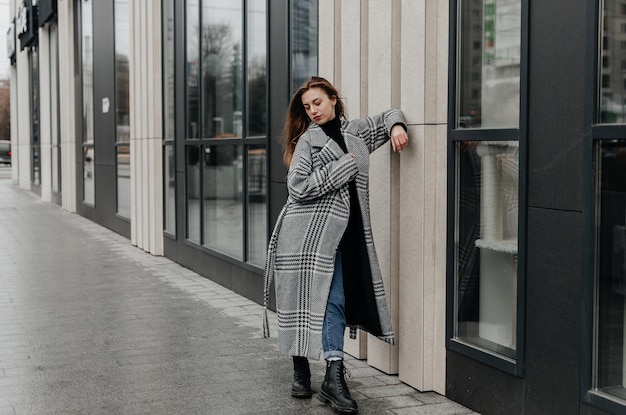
(399, 138)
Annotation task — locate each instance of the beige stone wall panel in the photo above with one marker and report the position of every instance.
(146, 127)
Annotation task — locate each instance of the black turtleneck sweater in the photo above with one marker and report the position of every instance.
(333, 129)
(360, 299)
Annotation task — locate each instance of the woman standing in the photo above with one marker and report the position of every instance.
(321, 253)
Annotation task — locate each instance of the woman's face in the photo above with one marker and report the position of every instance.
(319, 106)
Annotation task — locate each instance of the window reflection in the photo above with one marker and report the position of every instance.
(257, 204)
(222, 71)
(611, 269)
(169, 130)
(612, 65)
(192, 75)
(169, 120)
(122, 115)
(223, 208)
(303, 41)
(122, 38)
(257, 68)
(33, 56)
(227, 111)
(169, 175)
(193, 193)
(54, 109)
(87, 68)
(89, 184)
(489, 64)
(123, 180)
(87, 97)
(486, 245)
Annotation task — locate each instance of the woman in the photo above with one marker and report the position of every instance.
(321, 253)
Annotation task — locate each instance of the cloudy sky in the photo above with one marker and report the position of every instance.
(5, 20)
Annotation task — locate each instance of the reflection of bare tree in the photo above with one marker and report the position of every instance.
(257, 112)
(221, 77)
(122, 118)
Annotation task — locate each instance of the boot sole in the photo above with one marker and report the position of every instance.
(327, 399)
(302, 395)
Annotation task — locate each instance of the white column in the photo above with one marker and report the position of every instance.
(67, 104)
(378, 24)
(423, 175)
(45, 126)
(145, 127)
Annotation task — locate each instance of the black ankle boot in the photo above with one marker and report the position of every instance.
(335, 390)
(301, 387)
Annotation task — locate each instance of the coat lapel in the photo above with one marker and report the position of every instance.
(321, 140)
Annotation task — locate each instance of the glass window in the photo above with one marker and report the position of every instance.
(303, 41)
(34, 116)
(222, 75)
(257, 68)
(489, 70)
(484, 236)
(123, 180)
(169, 119)
(257, 204)
(193, 193)
(486, 245)
(226, 86)
(192, 75)
(612, 108)
(611, 268)
(609, 334)
(169, 172)
(54, 109)
(223, 207)
(122, 114)
(89, 194)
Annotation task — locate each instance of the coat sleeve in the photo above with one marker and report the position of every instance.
(376, 130)
(306, 183)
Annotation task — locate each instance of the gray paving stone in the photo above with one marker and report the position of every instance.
(90, 324)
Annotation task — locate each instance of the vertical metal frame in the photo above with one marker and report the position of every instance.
(516, 366)
(588, 289)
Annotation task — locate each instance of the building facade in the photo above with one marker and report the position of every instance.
(500, 229)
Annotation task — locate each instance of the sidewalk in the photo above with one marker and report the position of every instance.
(90, 324)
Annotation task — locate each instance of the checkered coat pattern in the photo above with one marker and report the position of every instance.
(302, 247)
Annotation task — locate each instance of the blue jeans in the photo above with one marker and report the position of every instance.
(334, 324)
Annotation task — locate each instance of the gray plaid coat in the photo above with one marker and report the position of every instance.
(302, 248)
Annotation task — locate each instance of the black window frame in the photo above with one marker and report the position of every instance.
(245, 142)
(455, 135)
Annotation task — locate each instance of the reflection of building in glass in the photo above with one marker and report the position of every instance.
(613, 66)
(471, 63)
(490, 54)
(501, 64)
(303, 41)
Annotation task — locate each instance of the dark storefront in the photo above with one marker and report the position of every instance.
(551, 340)
(102, 38)
(27, 31)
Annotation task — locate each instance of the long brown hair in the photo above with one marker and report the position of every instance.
(297, 119)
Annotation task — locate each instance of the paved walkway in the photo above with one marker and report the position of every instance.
(92, 325)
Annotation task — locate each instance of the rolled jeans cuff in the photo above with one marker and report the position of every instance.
(333, 354)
